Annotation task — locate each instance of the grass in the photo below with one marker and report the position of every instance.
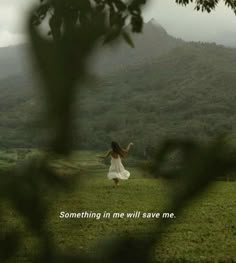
(204, 232)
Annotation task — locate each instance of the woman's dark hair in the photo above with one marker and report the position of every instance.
(117, 149)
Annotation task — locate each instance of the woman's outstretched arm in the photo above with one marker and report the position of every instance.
(106, 155)
(128, 147)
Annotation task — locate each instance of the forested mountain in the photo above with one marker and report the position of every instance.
(152, 43)
(184, 89)
(189, 92)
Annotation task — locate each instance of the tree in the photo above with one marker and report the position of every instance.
(207, 5)
(75, 27)
(67, 15)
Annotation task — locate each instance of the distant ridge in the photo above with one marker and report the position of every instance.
(155, 23)
(152, 43)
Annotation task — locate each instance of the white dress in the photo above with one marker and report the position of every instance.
(117, 170)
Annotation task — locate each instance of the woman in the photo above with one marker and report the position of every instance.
(117, 171)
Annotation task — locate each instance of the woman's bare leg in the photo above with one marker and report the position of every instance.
(116, 181)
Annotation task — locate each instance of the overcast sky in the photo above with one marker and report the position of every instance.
(182, 22)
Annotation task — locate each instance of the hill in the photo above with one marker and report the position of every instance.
(189, 92)
(184, 89)
(152, 43)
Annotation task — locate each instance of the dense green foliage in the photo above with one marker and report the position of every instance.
(208, 5)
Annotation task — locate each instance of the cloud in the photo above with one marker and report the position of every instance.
(190, 25)
(12, 22)
(179, 21)
(13, 14)
(8, 39)
(9, 18)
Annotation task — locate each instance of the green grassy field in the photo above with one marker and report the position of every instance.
(204, 232)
